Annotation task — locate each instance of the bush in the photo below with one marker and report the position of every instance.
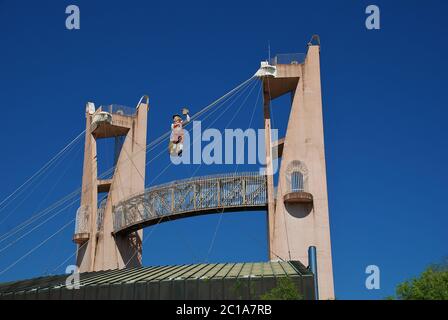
(432, 284)
(285, 290)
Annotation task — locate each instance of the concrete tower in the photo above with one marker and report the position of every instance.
(298, 213)
(97, 248)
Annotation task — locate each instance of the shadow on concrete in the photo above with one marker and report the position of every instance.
(299, 210)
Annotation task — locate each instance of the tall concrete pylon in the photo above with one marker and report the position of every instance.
(298, 214)
(97, 248)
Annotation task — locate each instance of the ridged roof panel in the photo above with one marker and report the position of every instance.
(165, 273)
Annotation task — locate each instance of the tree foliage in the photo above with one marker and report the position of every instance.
(432, 284)
(285, 290)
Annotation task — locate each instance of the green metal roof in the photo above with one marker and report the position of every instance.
(147, 276)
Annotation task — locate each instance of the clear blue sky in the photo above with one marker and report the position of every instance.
(384, 95)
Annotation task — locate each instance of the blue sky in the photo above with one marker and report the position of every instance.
(384, 112)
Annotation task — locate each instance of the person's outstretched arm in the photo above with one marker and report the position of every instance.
(187, 120)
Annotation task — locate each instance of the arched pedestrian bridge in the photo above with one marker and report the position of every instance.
(191, 197)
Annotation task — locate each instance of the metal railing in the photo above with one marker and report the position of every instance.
(202, 195)
(119, 109)
(288, 58)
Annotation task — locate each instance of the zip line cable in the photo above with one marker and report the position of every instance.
(205, 109)
(219, 222)
(34, 186)
(157, 223)
(155, 143)
(224, 111)
(166, 167)
(66, 169)
(212, 243)
(37, 184)
(38, 215)
(42, 169)
(73, 194)
(222, 101)
(71, 256)
(228, 97)
(210, 114)
(150, 145)
(39, 225)
(285, 217)
(67, 198)
(36, 247)
(216, 103)
(57, 213)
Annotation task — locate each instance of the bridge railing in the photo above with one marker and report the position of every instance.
(192, 195)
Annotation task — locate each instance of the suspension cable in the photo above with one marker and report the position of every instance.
(36, 247)
(74, 193)
(224, 111)
(236, 169)
(40, 171)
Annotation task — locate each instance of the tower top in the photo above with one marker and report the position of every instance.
(315, 40)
